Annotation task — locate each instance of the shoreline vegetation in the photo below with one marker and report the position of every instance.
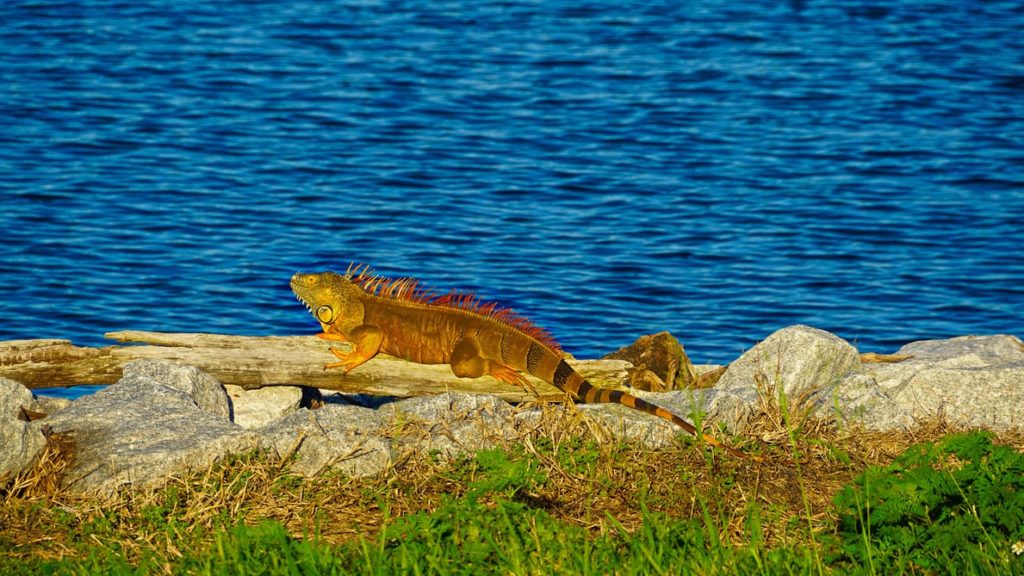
(548, 488)
(566, 502)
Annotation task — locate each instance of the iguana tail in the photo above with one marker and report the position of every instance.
(547, 365)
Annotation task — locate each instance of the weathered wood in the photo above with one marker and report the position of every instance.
(257, 361)
(874, 358)
(57, 363)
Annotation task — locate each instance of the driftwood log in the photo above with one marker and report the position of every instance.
(258, 361)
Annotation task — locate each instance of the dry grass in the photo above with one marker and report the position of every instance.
(589, 477)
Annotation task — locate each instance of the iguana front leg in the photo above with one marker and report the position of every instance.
(366, 341)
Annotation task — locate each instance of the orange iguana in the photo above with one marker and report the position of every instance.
(398, 317)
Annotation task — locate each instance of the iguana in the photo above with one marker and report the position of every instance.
(399, 318)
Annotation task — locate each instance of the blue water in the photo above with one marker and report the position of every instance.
(718, 169)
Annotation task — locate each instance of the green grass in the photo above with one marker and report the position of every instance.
(494, 528)
(555, 505)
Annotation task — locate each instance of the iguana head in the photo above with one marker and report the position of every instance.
(330, 297)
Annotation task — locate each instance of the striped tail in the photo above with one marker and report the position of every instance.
(568, 380)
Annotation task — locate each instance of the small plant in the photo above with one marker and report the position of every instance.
(957, 502)
(503, 476)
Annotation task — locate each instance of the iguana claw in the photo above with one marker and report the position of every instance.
(510, 375)
(349, 360)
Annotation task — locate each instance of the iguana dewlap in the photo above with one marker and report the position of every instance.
(397, 317)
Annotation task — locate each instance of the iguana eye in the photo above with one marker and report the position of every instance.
(325, 314)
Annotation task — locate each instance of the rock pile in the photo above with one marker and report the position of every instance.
(162, 418)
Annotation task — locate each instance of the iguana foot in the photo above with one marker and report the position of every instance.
(510, 375)
(332, 336)
(349, 360)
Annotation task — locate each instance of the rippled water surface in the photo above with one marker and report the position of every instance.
(610, 169)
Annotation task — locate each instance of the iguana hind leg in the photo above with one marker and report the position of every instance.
(468, 361)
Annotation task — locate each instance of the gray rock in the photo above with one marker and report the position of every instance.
(732, 407)
(344, 438)
(13, 397)
(803, 363)
(49, 404)
(259, 407)
(204, 389)
(450, 424)
(632, 426)
(140, 431)
(689, 404)
(977, 351)
(21, 441)
(970, 380)
(859, 399)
